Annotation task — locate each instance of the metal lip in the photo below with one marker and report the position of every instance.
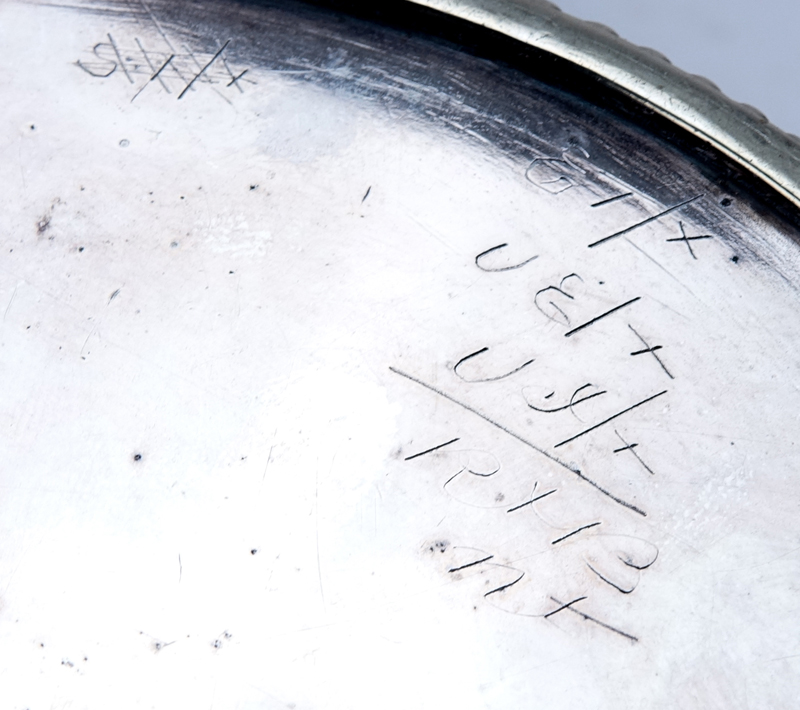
(696, 104)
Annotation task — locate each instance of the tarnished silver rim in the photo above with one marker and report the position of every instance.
(693, 102)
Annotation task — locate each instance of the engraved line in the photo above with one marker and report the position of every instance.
(471, 564)
(521, 439)
(155, 76)
(202, 71)
(532, 500)
(486, 379)
(122, 64)
(157, 24)
(463, 405)
(428, 451)
(236, 79)
(609, 201)
(602, 315)
(505, 586)
(629, 563)
(651, 350)
(151, 65)
(571, 402)
(647, 350)
(646, 221)
(564, 606)
(575, 532)
(689, 240)
(598, 622)
(206, 78)
(630, 447)
(503, 268)
(11, 300)
(611, 418)
(609, 582)
(561, 311)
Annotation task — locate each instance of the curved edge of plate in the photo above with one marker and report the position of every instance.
(740, 131)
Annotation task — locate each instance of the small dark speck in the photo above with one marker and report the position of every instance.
(124, 143)
(86, 658)
(601, 282)
(726, 201)
(735, 259)
(28, 328)
(137, 457)
(366, 194)
(182, 197)
(41, 645)
(173, 244)
(253, 551)
(253, 187)
(82, 188)
(33, 128)
(230, 272)
(217, 644)
(80, 248)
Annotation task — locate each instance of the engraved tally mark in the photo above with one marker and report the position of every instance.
(630, 448)
(648, 349)
(175, 72)
(688, 240)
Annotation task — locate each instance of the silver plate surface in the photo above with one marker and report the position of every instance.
(346, 368)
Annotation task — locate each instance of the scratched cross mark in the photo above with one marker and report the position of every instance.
(173, 71)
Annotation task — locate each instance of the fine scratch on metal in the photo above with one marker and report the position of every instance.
(522, 440)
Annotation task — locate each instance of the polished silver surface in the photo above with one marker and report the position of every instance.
(693, 102)
(346, 368)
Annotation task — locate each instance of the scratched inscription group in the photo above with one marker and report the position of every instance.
(173, 70)
(593, 553)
